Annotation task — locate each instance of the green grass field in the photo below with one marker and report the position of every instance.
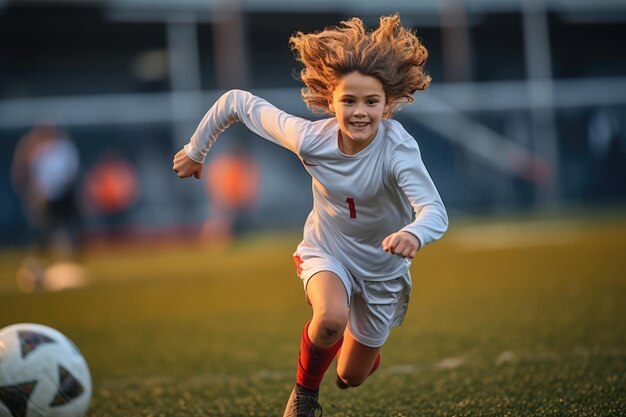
(515, 319)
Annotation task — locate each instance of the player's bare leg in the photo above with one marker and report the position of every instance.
(321, 339)
(355, 362)
(327, 296)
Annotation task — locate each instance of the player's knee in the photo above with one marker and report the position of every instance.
(351, 379)
(331, 326)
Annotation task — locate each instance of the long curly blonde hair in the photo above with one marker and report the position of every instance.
(391, 53)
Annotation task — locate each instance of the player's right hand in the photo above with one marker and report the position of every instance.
(185, 167)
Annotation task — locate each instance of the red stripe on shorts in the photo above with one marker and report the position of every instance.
(298, 262)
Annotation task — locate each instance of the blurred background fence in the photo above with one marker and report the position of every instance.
(526, 112)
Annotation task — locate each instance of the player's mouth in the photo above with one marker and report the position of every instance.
(359, 125)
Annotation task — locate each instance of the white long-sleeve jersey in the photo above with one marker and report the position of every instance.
(358, 200)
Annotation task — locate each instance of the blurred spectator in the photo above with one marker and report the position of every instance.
(44, 175)
(232, 184)
(111, 188)
(609, 152)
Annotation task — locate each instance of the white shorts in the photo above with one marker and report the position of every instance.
(375, 306)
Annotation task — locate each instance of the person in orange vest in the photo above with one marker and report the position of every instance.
(232, 185)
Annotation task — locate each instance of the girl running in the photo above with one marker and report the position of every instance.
(374, 203)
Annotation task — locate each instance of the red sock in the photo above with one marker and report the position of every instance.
(313, 361)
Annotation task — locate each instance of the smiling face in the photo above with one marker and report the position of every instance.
(359, 102)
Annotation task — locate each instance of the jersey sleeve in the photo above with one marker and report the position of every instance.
(257, 114)
(409, 171)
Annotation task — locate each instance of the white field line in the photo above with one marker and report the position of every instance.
(450, 363)
(515, 235)
(507, 357)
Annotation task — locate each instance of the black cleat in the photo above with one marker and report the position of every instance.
(340, 384)
(303, 403)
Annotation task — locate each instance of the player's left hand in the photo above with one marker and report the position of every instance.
(402, 244)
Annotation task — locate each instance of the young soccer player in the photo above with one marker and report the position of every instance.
(374, 203)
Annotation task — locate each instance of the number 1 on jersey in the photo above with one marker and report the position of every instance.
(352, 207)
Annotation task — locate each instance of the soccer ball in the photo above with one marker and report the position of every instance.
(42, 373)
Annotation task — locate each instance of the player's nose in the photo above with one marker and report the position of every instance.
(359, 111)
